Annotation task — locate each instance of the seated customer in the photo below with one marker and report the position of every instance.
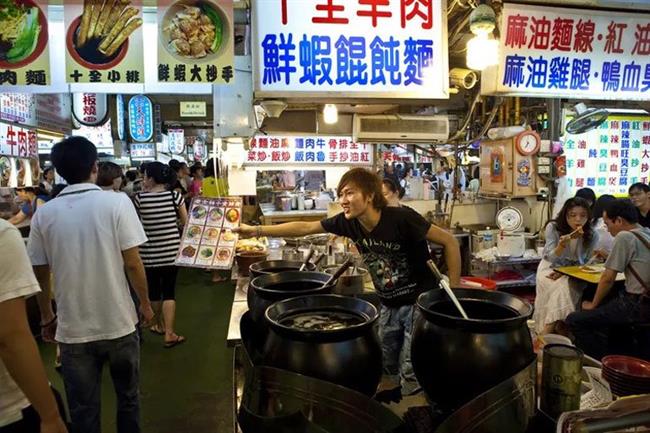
(630, 254)
(570, 241)
(640, 196)
(605, 239)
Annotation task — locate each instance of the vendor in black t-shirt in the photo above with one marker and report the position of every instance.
(640, 197)
(393, 243)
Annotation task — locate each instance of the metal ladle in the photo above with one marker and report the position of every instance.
(310, 254)
(340, 271)
(443, 283)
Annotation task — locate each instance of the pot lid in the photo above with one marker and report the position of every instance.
(509, 219)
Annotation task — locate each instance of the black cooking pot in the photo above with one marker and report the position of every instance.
(328, 337)
(456, 359)
(275, 266)
(267, 289)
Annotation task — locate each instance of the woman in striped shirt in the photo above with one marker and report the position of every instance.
(160, 210)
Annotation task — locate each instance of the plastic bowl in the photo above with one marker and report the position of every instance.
(627, 365)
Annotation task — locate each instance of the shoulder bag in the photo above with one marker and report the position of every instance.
(644, 284)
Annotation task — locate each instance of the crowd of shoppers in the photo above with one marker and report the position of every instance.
(120, 233)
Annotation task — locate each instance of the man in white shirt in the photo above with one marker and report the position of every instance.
(26, 401)
(88, 238)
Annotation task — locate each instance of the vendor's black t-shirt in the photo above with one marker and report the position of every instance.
(395, 252)
(644, 220)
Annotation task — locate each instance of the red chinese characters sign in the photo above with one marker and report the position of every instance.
(308, 150)
(17, 141)
(365, 48)
(571, 53)
(610, 158)
(90, 109)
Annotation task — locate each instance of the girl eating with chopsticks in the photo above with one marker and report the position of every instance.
(570, 241)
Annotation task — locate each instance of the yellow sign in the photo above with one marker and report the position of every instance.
(25, 58)
(193, 109)
(209, 58)
(104, 41)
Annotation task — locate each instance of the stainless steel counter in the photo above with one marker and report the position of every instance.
(270, 215)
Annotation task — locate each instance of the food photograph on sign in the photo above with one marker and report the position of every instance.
(195, 41)
(24, 41)
(104, 41)
(209, 239)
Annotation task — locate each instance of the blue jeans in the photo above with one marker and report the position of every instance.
(591, 328)
(395, 332)
(82, 366)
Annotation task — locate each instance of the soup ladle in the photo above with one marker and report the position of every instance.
(335, 276)
(310, 254)
(443, 283)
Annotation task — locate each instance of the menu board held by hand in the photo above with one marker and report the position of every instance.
(208, 240)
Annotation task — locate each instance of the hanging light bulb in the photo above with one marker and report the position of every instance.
(330, 114)
(482, 49)
(482, 52)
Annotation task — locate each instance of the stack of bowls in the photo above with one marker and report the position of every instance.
(627, 375)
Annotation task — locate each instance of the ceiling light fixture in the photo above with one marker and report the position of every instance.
(482, 49)
(330, 114)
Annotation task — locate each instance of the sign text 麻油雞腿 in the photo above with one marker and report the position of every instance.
(571, 53)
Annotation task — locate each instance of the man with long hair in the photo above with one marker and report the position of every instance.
(393, 243)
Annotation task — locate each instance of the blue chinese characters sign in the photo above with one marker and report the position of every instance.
(140, 118)
(554, 52)
(351, 48)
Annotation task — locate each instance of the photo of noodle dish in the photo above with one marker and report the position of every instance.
(23, 32)
(194, 30)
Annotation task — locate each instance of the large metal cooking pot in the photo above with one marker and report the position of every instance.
(267, 289)
(275, 266)
(277, 401)
(351, 282)
(456, 359)
(302, 339)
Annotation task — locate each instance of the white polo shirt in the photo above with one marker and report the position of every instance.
(16, 281)
(81, 235)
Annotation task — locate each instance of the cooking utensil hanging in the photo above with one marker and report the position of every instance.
(443, 283)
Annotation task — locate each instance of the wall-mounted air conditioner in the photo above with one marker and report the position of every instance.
(400, 129)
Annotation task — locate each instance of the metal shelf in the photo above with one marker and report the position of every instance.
(513, 261)
(515, 283)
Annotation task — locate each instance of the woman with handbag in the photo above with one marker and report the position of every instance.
(161, 211)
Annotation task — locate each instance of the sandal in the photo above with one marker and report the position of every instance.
(175, 342)
(157, 331)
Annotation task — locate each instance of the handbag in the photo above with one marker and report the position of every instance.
(178, 215)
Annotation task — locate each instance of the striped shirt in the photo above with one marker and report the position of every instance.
(158, 213)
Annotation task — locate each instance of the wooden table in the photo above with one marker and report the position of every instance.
(594, 278)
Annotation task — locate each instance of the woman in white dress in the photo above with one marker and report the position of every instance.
(570, 241)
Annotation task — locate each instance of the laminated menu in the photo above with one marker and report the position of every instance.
(208, 239)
